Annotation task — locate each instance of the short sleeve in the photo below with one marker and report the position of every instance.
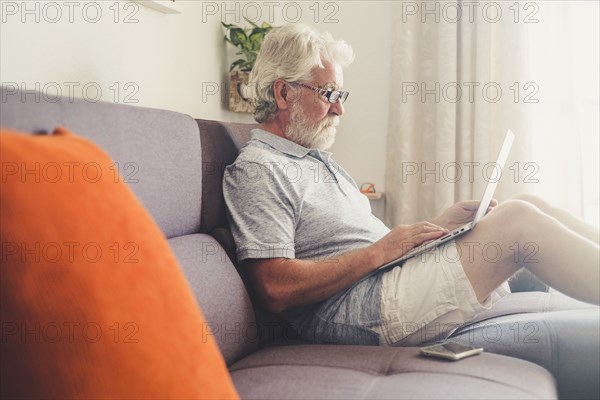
(260, 209)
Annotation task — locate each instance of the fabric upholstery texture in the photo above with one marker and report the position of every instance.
(156, 151)
(220, 291)
(539, 327)
(362, 372)
(93, 302)
(220, 146)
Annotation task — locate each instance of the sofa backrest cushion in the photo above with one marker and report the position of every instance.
(221, 143)
(93, 301)
(221, 293)
(156, 151)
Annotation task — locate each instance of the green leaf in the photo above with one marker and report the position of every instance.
(248, 41)
(252, 58)
(238, 37)
(256, 40)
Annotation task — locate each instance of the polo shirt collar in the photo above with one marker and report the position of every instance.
(287, 146)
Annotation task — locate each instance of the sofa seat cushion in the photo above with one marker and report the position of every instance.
(360, 372)
(550, 329)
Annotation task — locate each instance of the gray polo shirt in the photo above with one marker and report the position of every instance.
(285, 200)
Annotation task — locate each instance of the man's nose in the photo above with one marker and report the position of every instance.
(337, 108)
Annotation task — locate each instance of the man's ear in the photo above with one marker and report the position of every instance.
(280, 91)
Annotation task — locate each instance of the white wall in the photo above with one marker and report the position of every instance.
(155, 59)
(137, 55)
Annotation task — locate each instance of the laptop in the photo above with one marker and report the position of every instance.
(488, 194)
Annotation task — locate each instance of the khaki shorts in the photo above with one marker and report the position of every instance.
(428, 298)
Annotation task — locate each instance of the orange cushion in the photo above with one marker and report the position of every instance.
(93, 302)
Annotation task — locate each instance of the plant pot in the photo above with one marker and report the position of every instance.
(237, 94)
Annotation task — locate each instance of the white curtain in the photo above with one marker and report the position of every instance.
(565, 61)
(459, 81)
(455, 74)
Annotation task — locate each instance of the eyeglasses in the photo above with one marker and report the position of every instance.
(333, 96)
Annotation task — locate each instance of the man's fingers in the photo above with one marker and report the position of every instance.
(411, 230)
(427, 226)
(419, 233)
(419, 239)
(433, 229)
(493, 204)
(425, 237)
(469, 205)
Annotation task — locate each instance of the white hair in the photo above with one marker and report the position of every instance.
(290, 53)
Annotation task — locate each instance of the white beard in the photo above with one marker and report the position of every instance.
(313, 135)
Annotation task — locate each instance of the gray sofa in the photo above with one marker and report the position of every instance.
(175, 164)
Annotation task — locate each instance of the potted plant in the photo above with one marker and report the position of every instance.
(248, 41)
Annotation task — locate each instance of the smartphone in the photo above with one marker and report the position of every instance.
(450, 351)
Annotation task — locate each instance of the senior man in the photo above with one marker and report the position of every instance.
(311, 246)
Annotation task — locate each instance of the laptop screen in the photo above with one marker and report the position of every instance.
(495, 178)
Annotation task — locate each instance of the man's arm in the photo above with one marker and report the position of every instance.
(282, 283)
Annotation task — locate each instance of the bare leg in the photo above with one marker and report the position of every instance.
(518, 234)
(570, 221)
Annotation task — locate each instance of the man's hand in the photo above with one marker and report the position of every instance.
(460, 214)
(404, 238)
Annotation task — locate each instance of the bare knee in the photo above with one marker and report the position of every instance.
(516, 208)
(521, 219)
(531, 199)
